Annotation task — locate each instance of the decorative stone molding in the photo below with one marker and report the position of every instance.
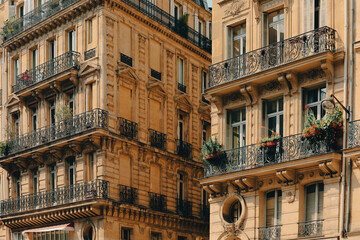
(233, 97)
(235, 8)
(232, 229)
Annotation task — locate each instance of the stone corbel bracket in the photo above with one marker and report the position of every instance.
(330, 168)
(292, 78)
(245, 183)
(218, 103)
(285, 176)
(328, 68)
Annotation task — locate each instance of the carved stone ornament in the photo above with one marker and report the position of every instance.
(270, 87)
(232, 229)
(235, 7)
(233, 97)
(290, 196)
(169, 234)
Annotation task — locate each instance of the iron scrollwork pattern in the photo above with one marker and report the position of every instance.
(95, 189)
(184, 207)
(157, 202)
(90, 53)
(128, 128)
(46, 70)
(128, 194)
(183, 148)
(354, 134)
(292, 49)
(286, 149)
(270, 233)
(310, 228)
(93, 119)
(157, 139)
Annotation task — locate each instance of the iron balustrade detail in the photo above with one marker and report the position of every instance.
(184, 207)
(310, 228)
(14, 27)
(354, 134)
(126, 59)
(46, 70)
(182, 87)
(155, 74)
(157, 139)
(93, 119)
(165, 19)
(270, 233)
(292, 49)
(128, 194)
(286, 149)
(157, 202)
(204, 212)
(128, 128)
(183, 148)
(90, 54)
(86, 191)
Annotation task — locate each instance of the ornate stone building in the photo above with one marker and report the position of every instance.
(102, 119)
(271, 60)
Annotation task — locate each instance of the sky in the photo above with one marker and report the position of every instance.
(209, 3)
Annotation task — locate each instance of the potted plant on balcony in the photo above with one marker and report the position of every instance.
(333, 128)
(313, 131)
(268, 145)
(9, 27)
(211, 152)
(4, 148)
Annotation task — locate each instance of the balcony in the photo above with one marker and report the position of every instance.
(182, 87)
(183, 148)
(311, 228)
(184, 207)
(86, 191)
(94, 119)
(165, 19)
(62, 63)
(128, 128)
(287, 149)
(46, 10)
(354, 134)
(127, 194)
(204, 212)
(157, 202)
(157, 139)
(270, 233)
(89, 54)
(293, 49)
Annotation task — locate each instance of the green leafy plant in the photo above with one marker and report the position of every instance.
(182, 25)
(10, 25)
(211, 152)
(63, 113)
(4, 148)
(313, 129)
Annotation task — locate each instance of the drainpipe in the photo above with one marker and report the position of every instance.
(348, 194)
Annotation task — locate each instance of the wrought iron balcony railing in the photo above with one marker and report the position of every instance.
(286, 149)
(165, 19)
(46, 70)
(46, 10)
(128, 128)
(204, 212)
(126, 59)
(90, 54)
(157, 202)
(128, 194)
(155, 74)
(184, 207)
(311, 228)
(86, 191)
(96, 118)
(157, 139)
(270, 233)
(354, 134)
(183, 148)
(292, 49)
(182, 87)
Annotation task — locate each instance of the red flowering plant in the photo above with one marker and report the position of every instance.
(269, 140)
(313, 129)
(25, 76)
(333, 126)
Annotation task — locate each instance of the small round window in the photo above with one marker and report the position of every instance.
(88, 233)
(232, 210)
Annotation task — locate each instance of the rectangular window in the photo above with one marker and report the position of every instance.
(180, 71)
(176, 12)
(53, 235)
(314, 202)
(238, 128)
(17, 236)
(126, 234)
(313, 98)
(275, 116)
(238, 40)
(17, 186)
(71, 41)
(92, 173)
(181, 187)
(21, 11)
(200, 27)
(34, 119)
(88, 97)
(273, 208)
(52, 112)
(35, 181)
(155, 236)
(70, 101)
(52, 49)
(34, 58)
(71, 171)
(90, 30)
(316, 14)
(16, 69)
(203, 81)
(52, 183)
(16, 125)
(181, 127)
(204, 134)
(274, 27)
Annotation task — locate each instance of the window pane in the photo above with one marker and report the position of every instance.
(236, 48)
(270, 208)
(235, 116)
(321, 200)
(313, 95)
(272, 124)
(235, 137)
(271, 106)
(279, 204)
(310, 202)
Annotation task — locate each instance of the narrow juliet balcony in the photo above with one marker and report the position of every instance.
(90, 120)
(81, 192)
(62, 63)
(293, 49)
(183, 148)
(310, 228)
(128, 194)
(165, 19)
(184, 207)
(128, 128)
(354, 134)
(270, 233)
(46, 10)
(157, 139)
(286, 149)
(158, 202)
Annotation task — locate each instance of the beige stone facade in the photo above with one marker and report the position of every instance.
(102, 119)
(270, 60)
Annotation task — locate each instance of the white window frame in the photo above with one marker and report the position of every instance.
(181, 70)
(241, 37)
(317, 104)
(16, 69)
(240, 125)
(35, 179)
(52, 176)
(276, 114)
(72, 40)
(316, 200)
(277, 220)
